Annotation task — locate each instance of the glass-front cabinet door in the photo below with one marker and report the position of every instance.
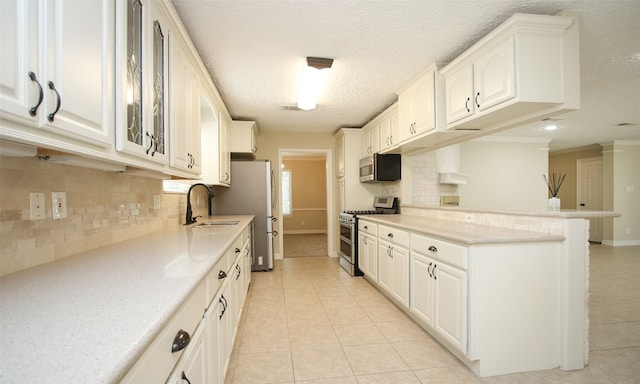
(141, 78)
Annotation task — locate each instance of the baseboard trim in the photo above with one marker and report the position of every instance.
(620, 243)
(305, 232)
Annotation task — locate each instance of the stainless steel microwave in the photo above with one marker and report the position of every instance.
(379, 167)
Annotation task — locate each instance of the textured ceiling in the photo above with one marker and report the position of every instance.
(255, 50)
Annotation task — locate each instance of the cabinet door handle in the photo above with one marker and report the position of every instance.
(151, 143)
(184, 377)
(433, 249)
(429, 269)
(435, 277)
(239, 271)
(52, 115)
(34, 110)
(181, 340)
(466, 104)
(477, 95)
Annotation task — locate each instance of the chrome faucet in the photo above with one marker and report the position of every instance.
(189, 218)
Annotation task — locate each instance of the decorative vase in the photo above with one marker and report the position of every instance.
(554, 204)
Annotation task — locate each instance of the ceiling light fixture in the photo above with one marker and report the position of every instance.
(314, 77)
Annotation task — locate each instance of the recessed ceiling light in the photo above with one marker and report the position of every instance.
(551, 127)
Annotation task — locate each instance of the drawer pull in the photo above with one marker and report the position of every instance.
(433, 249)
(390, 234)
(181, 340)
(222, 275)
(237, 250)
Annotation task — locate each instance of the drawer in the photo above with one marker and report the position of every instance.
(368, 227)
(218, 274)
(393, 235)
(157, 362)
(452, 254)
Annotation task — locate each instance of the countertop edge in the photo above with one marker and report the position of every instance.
(563, 213)
(463, 233)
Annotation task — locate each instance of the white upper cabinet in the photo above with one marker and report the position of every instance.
(243, 137)
(56, 69)
(216, 164)
(142, 74)
(370, 139)
(524, 70)
(390, 128)
(185, 109)
(417, 106)
(482, 84)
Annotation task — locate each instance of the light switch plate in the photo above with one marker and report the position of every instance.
(59, 205)
(36, 205)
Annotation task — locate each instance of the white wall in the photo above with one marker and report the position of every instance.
(621, 160)
(505, 173)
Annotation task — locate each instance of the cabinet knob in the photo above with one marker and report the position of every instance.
(181, 340)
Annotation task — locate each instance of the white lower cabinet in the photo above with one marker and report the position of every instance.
(439, 290)
(393, 263)
(192, 367)
(495, 306)
(203, 328)
(368, 249)
(220, 341)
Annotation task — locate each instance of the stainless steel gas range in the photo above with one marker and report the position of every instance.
(349, 231)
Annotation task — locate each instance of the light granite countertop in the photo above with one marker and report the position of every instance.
(87, 318)
(463, 233)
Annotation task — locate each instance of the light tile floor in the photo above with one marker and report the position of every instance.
(309, 322)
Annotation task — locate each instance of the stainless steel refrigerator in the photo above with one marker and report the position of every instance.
(252, 192)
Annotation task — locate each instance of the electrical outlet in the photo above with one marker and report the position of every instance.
(156, 201)
(59, 205)
(469, 217)
(36, 205)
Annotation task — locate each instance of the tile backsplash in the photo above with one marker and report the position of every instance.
(102, 208)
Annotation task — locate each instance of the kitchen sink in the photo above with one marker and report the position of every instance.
(210, 224)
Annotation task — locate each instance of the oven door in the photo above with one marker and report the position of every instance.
(347, 241)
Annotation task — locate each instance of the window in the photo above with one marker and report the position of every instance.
(287, 204)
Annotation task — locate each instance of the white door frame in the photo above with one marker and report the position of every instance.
(593, 222)
(328, 155)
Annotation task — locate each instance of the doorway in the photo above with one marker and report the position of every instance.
(589, 193)
(306, 225)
